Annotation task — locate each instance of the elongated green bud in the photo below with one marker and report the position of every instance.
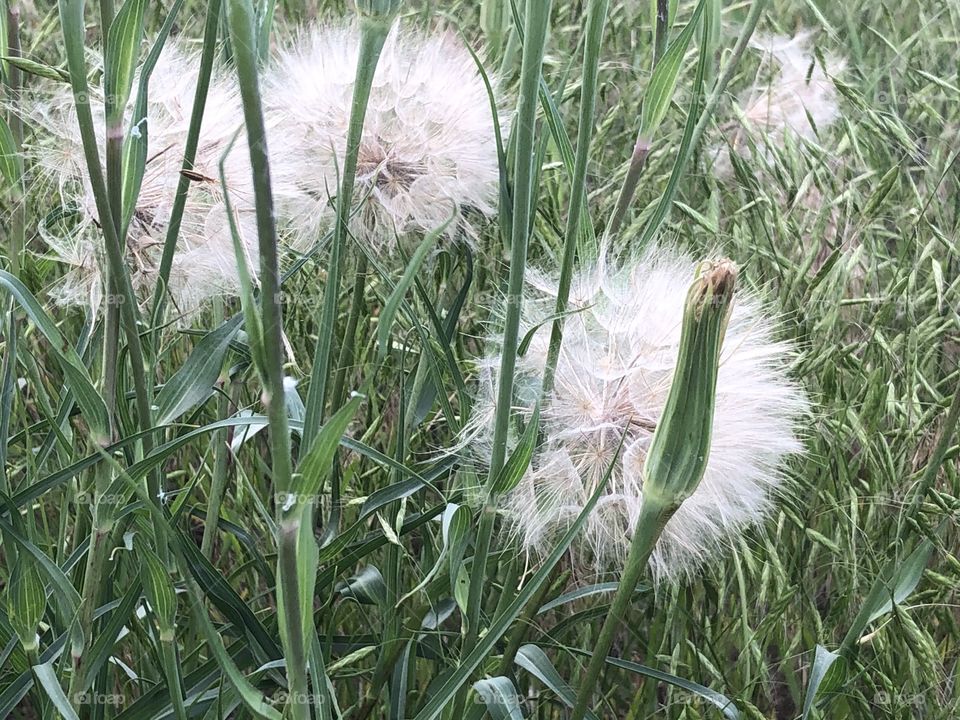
(681, 443)
(158, 588)
(378, 10)
(26, 602)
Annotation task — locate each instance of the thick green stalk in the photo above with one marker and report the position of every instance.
(596, 20)
(650, 524)
(536, 22)
(189, 155)
(373, 33)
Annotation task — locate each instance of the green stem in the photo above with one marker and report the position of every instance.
(18, 219)
(207, 57)
(241, 20)
(660, 36)
(373, 34)
(93, 579)
(653, 518)
(666, 201)
(71, 19)
(536, 22)
(596, 19)
(637, 162)
(349, 336)
(221, 461)
(171, 669)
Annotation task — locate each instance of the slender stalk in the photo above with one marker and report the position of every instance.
(650, 524)
(660, 35)
(373, 34)
(171, 669)
(596, 20)
(93, 578)
(221, 460)
(349, 336)
(536, 21)
(72, 26)
(207, 57)
(18, 222)
(637, 162)
(666, 201)
(241, 21)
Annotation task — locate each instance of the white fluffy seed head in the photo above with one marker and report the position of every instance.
(428, 153)
(204, 265)
(794, 95)
(620, 343)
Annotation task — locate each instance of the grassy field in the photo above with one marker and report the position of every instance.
(390, 592)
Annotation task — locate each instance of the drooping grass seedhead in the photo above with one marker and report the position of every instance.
(617, 364)
(428, 151)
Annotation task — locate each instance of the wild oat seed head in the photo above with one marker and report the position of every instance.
(794, 94)
(428, 153)
(204, 265)
(620, 344)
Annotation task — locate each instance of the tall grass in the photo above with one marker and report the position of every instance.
(186, 533)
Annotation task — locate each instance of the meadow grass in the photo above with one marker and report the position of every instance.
(121, 602)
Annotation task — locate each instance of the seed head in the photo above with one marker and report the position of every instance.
(618, 362)
(428, 153)
(204, 265)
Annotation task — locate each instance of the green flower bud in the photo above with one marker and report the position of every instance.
(680, 446)
(26, 602)
(158, 587)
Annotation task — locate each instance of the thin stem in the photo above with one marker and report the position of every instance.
(241, 20)
(666, 201)
(536, 21)
(221, 460)
(18, 220)
(596, 19)
(72, 26)
(650, 524)
(171, 669)
(207, 57)
(373, 34)
(660, 36)
(637, 162)
(349, 336)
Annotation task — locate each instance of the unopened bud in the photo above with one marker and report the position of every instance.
(27, 601)
(680, 446)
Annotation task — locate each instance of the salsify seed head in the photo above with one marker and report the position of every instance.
(428, 154)
(620, 345)
(793, 95)
(204, 265)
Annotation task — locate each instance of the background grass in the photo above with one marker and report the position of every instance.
(853, 238)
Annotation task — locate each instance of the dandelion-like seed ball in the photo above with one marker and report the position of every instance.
(428, 154)
(204, 265)
(797, 96)
(620, 344)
